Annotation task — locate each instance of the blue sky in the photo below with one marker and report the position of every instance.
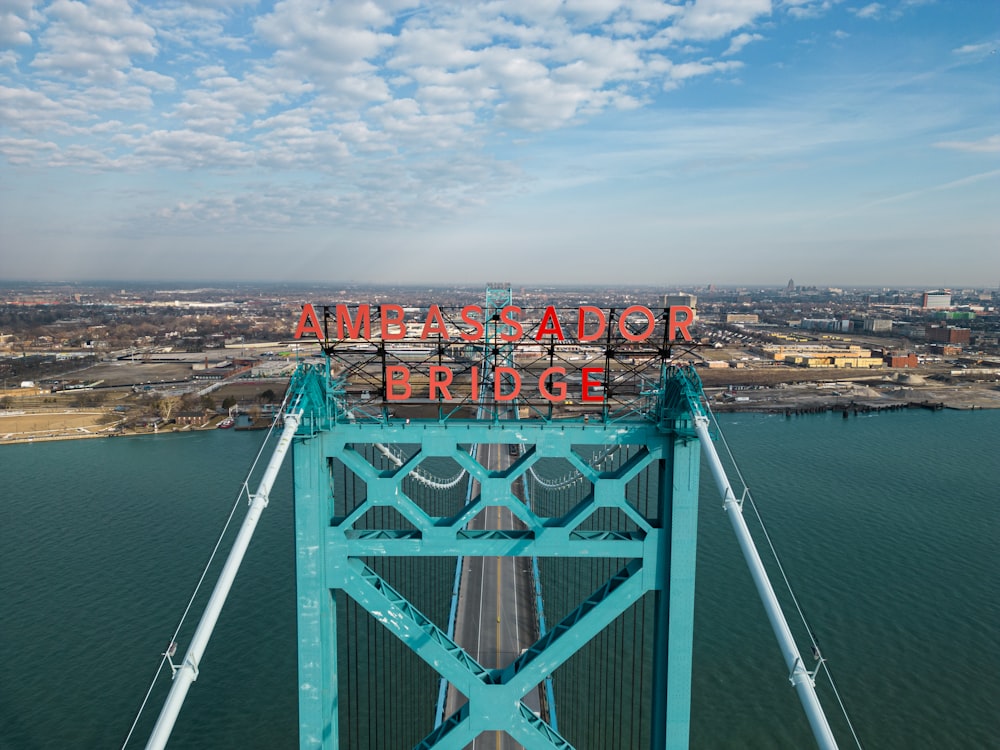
(539, 141)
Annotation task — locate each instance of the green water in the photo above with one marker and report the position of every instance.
(886, 526)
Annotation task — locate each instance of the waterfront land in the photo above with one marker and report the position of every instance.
(91, 361)
(121, 410)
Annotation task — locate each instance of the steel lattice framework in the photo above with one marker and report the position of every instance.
(331, 550)
(656, 428)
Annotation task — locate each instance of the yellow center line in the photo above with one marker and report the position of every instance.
(499, 570)
(499, 573)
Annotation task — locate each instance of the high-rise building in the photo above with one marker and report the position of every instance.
(936, 300)
(680, 298)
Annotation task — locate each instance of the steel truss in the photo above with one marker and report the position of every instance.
(331, 551)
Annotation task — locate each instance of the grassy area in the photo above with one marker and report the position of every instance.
(18, 425)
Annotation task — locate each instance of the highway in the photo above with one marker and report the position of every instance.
(495, 620)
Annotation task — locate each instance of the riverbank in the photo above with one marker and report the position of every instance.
(861, 396)
(857, 396)
(71, 424)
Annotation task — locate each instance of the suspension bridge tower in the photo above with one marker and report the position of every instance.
(490, 442)
(495, 529)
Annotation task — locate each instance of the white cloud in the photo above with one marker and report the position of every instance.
(33, 112)
(715, 19)
(740, 41)
(95, 42)
(360, 112)
(454, 69)
(988, 145)
(16, 19)
(185, 150)
(152, 79)
(194, 26)
(872, 10)
(691, 69)
(802, 9)
(27, 151)
(8, 59)
(976, 49)
(942, 187)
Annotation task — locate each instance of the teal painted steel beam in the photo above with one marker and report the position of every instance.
(675, 600)
(330, 552)
(486, 694)
(317, 615)
(531, 732)
(412, 627)
(454, 733)
(578, 627)
(543, 543)
(551, 439)
(535, 734)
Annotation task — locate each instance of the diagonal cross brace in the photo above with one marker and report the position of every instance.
(482, 686)
(594, 614)
(531, 732)
(412, 627)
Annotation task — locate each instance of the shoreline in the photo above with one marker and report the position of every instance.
(12, 438)
(789, 400)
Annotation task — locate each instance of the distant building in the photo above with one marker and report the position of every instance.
(680, 299)
(826, 324)
(196, 418)
(947, 335)
(936, 300)
(742, 318)
(820, 355)
(877, 325)
(944, 350)
(893, 359)
(909, 330)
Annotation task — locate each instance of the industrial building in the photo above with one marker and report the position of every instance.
(947, 335)
(821, 355)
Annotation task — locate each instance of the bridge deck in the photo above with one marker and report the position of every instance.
(496, 616)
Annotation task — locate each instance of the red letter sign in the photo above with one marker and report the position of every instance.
(354, 328)
(387, 321)
(582, 322)
(391, 382)
(498, 379)
(477, 327)
(680, 325)
(588, 384)
(434, 324)
(558, 392)
(549, 325)
(505, 318)
(651, 324)
(308, 323)
(440, 382)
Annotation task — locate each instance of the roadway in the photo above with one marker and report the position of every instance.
(495, 619)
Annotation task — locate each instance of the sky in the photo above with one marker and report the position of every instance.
(678, 144)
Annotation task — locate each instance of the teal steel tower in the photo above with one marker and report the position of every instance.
(566, 522)
(646, 538)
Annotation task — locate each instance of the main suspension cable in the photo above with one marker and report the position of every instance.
(814, 642)
(168, 652)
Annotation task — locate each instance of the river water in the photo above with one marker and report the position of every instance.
(886, 525)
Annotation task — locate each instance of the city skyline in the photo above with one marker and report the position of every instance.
(734, 142)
